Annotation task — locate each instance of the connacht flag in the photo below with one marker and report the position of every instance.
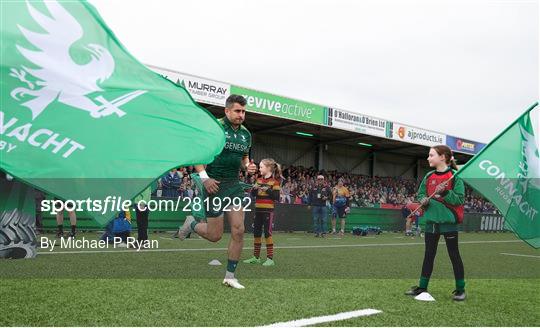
(80, 117)
(507, 172)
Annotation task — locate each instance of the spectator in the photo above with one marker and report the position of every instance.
(141, 213)
(340, 201)
(318, 196)
(286, 192)
(120, 227)
(170, 184)
(364, 191)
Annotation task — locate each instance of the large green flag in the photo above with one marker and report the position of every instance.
(80, 117)
(507, 173)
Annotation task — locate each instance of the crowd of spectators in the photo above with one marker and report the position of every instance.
(365, 191)
(477, 204)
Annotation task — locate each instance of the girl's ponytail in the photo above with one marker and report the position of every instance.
(447, 152)
(453, 164)
(274, 167)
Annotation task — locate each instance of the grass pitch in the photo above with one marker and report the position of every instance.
(173, 285)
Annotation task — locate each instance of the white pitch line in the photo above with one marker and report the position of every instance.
(522, 255)
(325, 318)
(279, 247)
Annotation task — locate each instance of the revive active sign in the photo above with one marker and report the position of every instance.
(287, 108)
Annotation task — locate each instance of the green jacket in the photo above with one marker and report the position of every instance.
(437, 217)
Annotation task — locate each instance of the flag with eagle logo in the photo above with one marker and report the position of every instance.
(80, 117)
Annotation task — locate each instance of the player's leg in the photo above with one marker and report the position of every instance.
(334, 213)
(73, 223)
(211, 230)
(236, 221)
(257, 239)
(60, 224)
(408, 227)
(268, 220)
(451, 239)
(341, 215)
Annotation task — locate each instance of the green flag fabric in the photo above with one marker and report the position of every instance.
(80, 117)
(507, 173)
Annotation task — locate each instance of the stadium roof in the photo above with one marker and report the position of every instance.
(262, 124)
(269, 113)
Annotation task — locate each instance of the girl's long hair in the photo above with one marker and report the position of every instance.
(274, 166)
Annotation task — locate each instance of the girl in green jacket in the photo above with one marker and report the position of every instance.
(442, 214)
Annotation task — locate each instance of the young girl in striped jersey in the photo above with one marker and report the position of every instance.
(266, 190)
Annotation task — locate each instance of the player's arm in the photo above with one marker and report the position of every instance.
(248, 165)
(211, 185)
(245, 162)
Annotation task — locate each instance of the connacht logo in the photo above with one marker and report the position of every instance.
(58, 77)
(531, 157)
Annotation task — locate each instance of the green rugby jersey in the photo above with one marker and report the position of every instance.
(237, 143)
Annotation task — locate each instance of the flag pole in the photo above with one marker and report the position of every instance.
(471, 160)
(430, 196)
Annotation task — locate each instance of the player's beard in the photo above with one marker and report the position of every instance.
(238, 122)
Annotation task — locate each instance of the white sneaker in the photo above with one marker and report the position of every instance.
(233, 283)
(186, 228)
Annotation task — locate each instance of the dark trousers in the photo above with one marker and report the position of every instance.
(39, 215)
(142, 224)
(263, 222)
(320, 217)
(432, 241)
